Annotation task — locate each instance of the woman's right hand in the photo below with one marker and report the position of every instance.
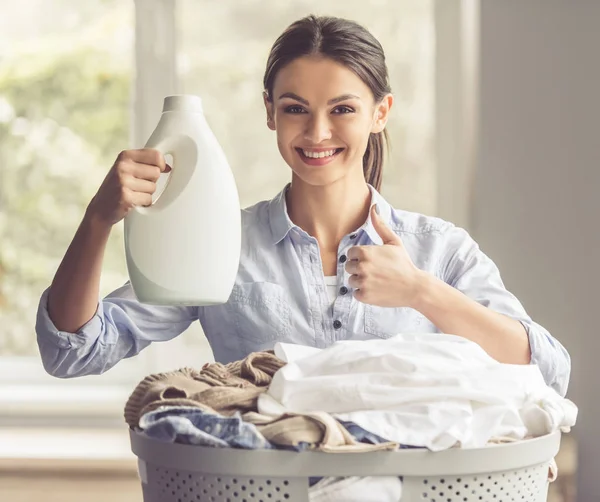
(130, 182)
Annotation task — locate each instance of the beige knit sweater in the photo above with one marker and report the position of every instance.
(223, 388)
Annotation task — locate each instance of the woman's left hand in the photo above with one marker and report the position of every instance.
(383, 275)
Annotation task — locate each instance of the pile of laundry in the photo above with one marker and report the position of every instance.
(432, 391)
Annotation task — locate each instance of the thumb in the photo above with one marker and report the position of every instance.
(385, 232)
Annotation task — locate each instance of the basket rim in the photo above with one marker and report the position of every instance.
(408, 462)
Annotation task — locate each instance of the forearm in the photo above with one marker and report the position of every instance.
(453, 312)
(73, 295)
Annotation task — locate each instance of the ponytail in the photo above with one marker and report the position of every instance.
(373, 159)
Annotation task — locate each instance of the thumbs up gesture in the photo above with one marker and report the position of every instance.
(383, 275)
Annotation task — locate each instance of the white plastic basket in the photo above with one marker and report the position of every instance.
(511, 472)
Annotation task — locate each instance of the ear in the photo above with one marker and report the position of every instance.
(382, 112)
(269, 109)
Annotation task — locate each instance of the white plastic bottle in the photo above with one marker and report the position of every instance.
(184, 248)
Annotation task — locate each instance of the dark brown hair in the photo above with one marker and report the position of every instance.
(345, 42)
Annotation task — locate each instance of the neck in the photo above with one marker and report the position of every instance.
(329, 212)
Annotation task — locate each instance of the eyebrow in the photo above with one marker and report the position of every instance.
(330, 102)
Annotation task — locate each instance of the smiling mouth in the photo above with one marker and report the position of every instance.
(320, 154)
(320, 158)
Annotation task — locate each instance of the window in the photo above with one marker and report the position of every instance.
(72, 73)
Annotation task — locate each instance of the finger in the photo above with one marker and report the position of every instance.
(357, 253)
(361, 268)
(140, 199)
(386, 233)
(148, 156)
(360, 295)
(352, 266)
(140, 185)
(356, 281)
(145, 171)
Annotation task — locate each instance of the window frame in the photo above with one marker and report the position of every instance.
(457, 65)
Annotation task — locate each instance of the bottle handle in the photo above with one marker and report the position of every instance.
(165, 147)
(185, 155)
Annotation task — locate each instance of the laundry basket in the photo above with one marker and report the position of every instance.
(510, 472)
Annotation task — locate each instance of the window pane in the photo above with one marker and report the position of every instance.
(224, 46)
(65, 77)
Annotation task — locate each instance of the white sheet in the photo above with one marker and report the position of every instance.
(431, 390)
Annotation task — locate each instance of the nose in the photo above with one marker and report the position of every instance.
(318, 129)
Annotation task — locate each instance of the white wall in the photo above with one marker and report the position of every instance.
(536, 204)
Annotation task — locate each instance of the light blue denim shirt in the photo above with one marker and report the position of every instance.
(280, 295)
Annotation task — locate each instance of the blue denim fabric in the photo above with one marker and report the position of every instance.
(194, 426)
(188, 425)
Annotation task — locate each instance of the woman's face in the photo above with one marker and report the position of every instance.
(323, 114)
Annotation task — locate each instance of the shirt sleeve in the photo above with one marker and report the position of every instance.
(465, 267)
(120, 328)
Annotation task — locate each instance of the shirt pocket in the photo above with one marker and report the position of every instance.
(261, 314)
(385, 322)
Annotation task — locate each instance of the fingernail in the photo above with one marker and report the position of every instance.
(377, 210)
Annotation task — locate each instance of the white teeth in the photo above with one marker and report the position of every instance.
(318, 155)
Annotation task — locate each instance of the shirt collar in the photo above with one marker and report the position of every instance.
(385, 212)
(278, 216)
(281, 224)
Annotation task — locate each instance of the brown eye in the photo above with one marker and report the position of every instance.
(342, 110)
(294, 109)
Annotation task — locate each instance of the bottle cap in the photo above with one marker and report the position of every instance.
(183, 102)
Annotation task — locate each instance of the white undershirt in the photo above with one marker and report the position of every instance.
(331, 283)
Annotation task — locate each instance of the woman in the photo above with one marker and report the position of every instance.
(327, 259)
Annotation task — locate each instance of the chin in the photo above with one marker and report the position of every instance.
(318, 179)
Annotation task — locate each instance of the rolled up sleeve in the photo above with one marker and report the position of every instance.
(549, 354)
(120, 328)
(465, 267)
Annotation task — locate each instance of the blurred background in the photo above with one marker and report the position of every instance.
(494, 128)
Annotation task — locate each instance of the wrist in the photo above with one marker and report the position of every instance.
(94, 223)
(424, 291)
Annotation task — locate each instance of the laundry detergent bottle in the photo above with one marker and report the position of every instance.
(184, 248)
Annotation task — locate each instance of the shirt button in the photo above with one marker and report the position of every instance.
(342, 258)
(343, 290)
(337, 324)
